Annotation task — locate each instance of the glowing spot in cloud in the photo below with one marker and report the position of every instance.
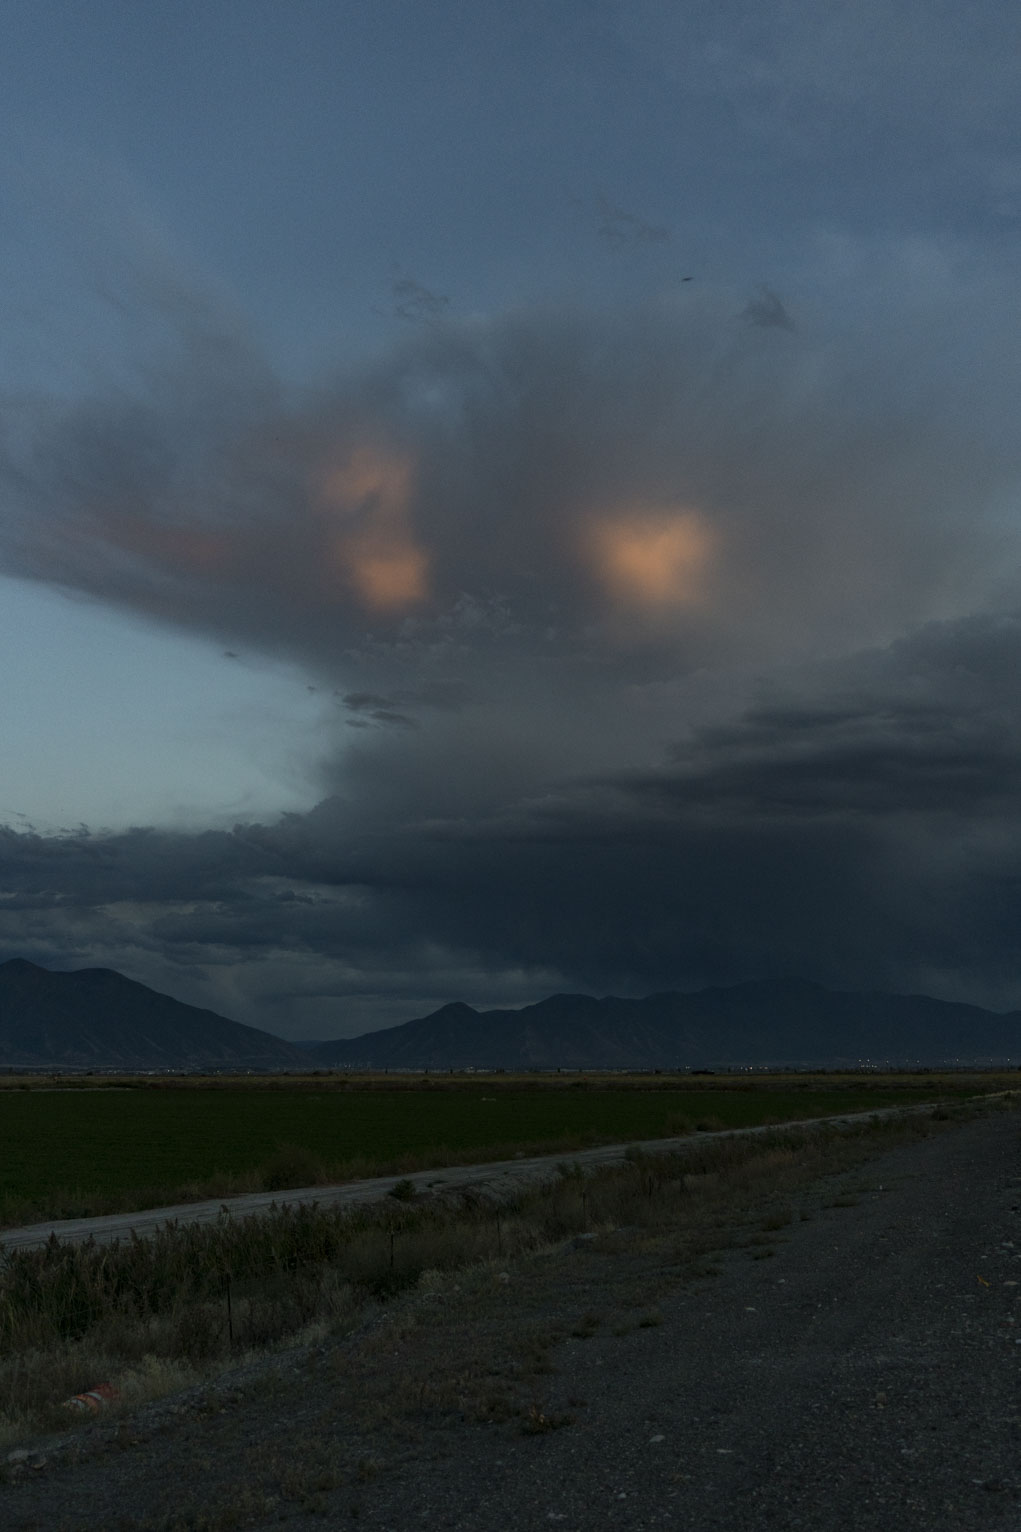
(652, 558)
(374, 550)
(389, 577)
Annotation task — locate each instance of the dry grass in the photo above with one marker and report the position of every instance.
(152, 1316)
(911, 1082)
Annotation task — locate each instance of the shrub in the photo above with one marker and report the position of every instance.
(292, 1166)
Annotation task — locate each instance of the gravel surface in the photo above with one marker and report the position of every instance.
(856, 1369)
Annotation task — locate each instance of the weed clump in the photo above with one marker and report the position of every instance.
(291, 1166)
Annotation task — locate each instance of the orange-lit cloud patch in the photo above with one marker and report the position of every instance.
(389, 577)
(652, 558)
(373, 548)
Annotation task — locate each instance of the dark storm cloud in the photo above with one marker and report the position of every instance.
(520, 549)
(571, 572)
(655, 646)
(860, 825)
(863, 829)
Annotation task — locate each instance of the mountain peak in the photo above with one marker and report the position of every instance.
(781, 1021)
(97, 1018)
(452, 1009)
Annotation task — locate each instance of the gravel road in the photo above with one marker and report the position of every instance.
(864, 1376)
(867, 1377)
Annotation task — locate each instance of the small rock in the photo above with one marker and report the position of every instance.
(659, 1438)
(39, 1461)
(19, 1455)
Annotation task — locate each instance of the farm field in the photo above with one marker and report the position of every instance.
(72, 1153)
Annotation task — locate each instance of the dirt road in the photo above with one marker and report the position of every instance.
(856, 1370)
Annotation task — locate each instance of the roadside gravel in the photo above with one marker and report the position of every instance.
(866, 1377)
(856, 1368)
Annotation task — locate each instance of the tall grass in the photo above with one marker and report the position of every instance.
(191, 1298)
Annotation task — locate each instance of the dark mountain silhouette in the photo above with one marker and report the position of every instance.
(94, 1018)
(770, 1021)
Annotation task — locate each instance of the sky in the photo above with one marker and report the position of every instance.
(498, 500)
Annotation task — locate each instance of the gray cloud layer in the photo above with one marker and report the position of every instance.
(859, 824)
(445, 500)
(676, 649)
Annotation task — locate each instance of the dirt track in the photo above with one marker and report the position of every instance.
(863, 1376)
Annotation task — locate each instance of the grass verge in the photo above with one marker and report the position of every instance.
(150, 1316)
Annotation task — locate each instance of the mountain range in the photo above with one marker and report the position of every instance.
(768, 1021)
(95, 1018)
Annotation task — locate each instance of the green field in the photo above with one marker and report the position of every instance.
(68, 1153)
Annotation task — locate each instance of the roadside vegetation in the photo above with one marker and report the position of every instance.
(499, 1080)
(75, 1151)
(151, 1316)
